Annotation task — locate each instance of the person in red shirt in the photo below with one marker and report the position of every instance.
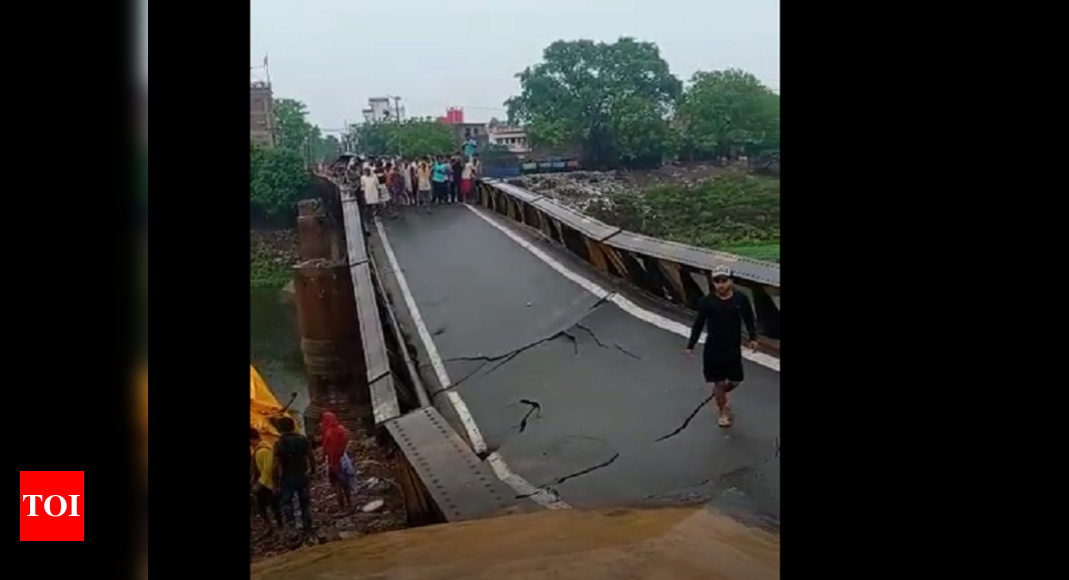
(339, 466)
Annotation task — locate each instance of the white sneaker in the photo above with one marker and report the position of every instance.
(724, 420)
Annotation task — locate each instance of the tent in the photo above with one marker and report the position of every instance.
(264, 406)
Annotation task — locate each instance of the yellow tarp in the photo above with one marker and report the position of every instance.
(263, 405)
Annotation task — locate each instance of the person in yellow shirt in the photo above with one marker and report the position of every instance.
(263, 484)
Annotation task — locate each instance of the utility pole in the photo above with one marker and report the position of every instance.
(396, 108)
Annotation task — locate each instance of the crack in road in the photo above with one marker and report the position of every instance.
(588, 470)
(548, 487)
(502, 359)
(668, 494)
(535, 408)
(506, 357)
(686, 422)
(604, 299)
(512, 353)
(606, 346)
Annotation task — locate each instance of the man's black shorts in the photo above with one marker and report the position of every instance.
(720, 370)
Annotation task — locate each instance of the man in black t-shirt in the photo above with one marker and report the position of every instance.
(294, 466)
(722, 314)
(457, 168)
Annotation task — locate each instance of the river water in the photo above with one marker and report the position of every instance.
(275, 346)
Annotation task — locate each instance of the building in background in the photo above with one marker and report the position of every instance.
(379, 109)
(512, 138)
(453, 116)
(261, 114)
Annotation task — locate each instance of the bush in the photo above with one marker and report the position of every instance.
(733, 212)
(278, 181)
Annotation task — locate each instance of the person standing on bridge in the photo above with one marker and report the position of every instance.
(469, 148)
(722, 313)
(440, 180)
(466, 175)
(456, 169)
(423, 182)
(369, 184)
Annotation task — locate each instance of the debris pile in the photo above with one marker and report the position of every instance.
(581, 189)
(377, 506)
(577, 189)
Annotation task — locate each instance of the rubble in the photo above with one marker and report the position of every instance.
(374, 489)
(581, 189)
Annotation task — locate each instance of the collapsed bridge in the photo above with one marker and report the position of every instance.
(520, 355)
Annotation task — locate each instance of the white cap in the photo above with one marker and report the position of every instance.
(718, 271)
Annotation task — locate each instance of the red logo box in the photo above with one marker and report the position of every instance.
(58, 500)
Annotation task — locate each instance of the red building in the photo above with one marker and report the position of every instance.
(453, 116)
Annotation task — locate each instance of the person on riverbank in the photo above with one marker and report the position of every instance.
(722, 313)
(263, 485)
(294, 465)
(339, 466)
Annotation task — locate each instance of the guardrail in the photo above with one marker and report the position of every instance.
(441, 478)
(668, 271)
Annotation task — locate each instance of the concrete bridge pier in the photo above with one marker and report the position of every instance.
(329, 326)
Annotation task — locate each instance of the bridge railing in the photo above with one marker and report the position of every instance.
(440, 477)
(670, 272)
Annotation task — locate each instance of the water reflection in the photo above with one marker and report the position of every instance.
(274, 344)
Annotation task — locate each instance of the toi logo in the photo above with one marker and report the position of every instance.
(53, 506)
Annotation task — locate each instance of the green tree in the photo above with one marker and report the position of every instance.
(410, 138)
(612, 98)
(295, 133)
(278, 180)
(327, 148)
(292, 129)
(728, 112)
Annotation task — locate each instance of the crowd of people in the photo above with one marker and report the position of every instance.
(283, 472)
(388, 183)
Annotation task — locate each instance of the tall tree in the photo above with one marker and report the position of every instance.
(411, 138)
(292, 129)
(727, 112)
(278, 178)
(613, 98)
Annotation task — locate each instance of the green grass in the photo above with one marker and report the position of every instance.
(767, 252)
(732, 212)
(270, 259)
(264, 272)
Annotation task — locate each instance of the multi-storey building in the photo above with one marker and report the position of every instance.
(261, 114)
(513, 138)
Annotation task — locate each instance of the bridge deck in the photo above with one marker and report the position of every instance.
(623, 417)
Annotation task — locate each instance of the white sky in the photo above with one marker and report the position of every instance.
(334, 54)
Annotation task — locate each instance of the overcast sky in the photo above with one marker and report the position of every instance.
(334, 54)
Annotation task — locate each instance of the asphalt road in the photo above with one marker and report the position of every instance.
(579, 397)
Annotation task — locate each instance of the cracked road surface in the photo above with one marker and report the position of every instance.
(580, 398)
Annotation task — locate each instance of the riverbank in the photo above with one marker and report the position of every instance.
(376, 500)
(275, 351)
(723, 209)
(272, 253)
